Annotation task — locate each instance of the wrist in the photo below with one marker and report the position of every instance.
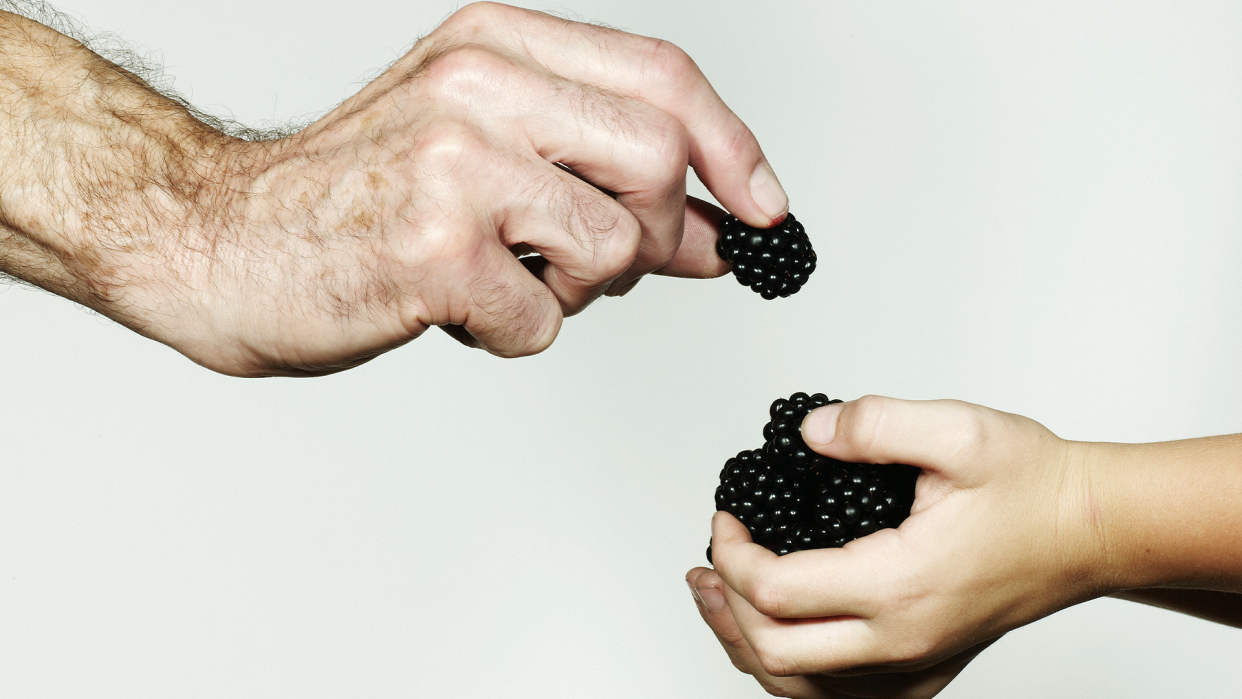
(1081, 542)
(158, 263)
(131, 237)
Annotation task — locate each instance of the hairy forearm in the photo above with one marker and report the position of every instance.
(251, 258)
(398, 211)
(103, 178)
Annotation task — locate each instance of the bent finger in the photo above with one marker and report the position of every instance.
(629, 149)
(722, 150)
(833, 582)
(586, 238)
(882, 683)
(484, 296)
(707, 587)
(788, 647)
(708, 591)
(512, 314)
(635, 153)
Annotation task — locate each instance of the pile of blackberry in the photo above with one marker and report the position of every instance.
(793, 499)
(771, 261)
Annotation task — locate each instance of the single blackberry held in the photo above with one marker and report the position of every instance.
(771, 261)
(793, 499)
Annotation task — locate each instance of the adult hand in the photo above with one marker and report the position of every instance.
(505, 132)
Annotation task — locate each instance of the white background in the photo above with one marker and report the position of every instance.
(1031, 206)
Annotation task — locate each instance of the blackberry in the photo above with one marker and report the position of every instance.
(793, 499)
(771, 261)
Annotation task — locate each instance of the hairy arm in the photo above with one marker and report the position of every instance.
(504, 132)
(103, 179)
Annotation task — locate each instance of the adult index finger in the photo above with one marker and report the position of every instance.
(723, 151)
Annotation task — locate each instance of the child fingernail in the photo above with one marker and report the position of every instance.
(820, 425)
(710, 597)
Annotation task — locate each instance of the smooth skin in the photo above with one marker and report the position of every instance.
(1010, 524)
(416, 203)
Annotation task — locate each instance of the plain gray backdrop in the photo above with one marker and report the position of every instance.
(1033, 206)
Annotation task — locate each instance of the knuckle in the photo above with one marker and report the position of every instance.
(606, 233)
(625, 228)
(445, 147)
(735, 644)
(665, 63)
(471, 18)
(769, 598)
(461, 73)
(668, 149)
(739, 145)
(661, 250)
(733, 638)
(974, 428)
(622, 249)
(515, 321)
(445, 244)
(772, 663)
(866, 422)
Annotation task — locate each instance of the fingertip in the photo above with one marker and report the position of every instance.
(819, 427)
(710, 594)
(706, 586)
(521, 332)
(726, 529)
(768, 194)
(508, 310)
(695, 573)
(730, 162)
(527, 344)
(702, 575)
(708, 577)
